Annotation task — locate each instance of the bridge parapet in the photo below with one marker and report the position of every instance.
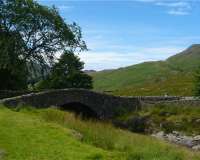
(105, 106)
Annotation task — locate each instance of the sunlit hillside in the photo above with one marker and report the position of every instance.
(174, 76)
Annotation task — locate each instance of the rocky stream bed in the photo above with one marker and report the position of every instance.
(192, 142)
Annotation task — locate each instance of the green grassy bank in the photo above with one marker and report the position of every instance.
(31, 134)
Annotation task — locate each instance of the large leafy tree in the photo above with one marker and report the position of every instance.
(41, 33)
(67, 73)
(13, 69)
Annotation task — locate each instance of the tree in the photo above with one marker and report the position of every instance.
(67, 73)
(40, 31)
(13, 70)
(197, 82)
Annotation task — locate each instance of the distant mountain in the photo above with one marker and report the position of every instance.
(173, 76)
(89, 71)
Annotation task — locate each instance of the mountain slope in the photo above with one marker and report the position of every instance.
(187, 60)
(173, 76)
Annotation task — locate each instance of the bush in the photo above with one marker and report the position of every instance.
(197, 82)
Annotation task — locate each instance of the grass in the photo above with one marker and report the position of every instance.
(25, 136)
(176, 117)
(31, 134)
(178, 84)
(168, 117)
(145, 80)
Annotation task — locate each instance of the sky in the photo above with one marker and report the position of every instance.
(120, 33)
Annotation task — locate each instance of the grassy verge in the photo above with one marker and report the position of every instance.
(53, 134)
(26, 136)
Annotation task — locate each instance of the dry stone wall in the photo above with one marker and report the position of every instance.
(9, 93)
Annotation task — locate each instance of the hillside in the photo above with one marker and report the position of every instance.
(173, 76)
(30, 134)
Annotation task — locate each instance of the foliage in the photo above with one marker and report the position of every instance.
(53, 131)
(168, 118)
(13, 70)
(13, 80)
(67, 73)
(197, 82)
(33, 34)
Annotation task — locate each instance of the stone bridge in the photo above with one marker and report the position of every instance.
(86, 102)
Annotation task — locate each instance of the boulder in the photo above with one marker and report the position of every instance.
(197, 138)
(159, 135)
(196, 148)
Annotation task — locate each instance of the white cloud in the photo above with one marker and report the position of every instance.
(178, 12)
(65, 7)
(146, 0)
(175, 7)
(109, 60)
(174, 4)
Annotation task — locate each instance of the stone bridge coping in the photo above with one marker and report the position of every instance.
(29, 93)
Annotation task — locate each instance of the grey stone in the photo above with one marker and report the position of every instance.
(196, 148)
(197, 138)
(176, 133)
(180, 139)
(197, 121)
(159, 135)
(187, 141)
(171, 138)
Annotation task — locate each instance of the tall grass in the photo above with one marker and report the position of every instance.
(98, 134)
(104, 135)
(184, 118)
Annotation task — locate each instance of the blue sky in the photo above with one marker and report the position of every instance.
(121, 33)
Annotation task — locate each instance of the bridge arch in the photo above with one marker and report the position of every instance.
(101, 105)
(80, 109)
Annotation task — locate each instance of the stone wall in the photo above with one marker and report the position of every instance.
(155, 99)
(105, 106)
(9, 93)
(183, 102)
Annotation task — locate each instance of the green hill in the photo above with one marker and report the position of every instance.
(173, 76)
(49, 134)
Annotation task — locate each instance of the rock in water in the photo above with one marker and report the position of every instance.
(179, 138)
(197, 138)
(196, 148)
